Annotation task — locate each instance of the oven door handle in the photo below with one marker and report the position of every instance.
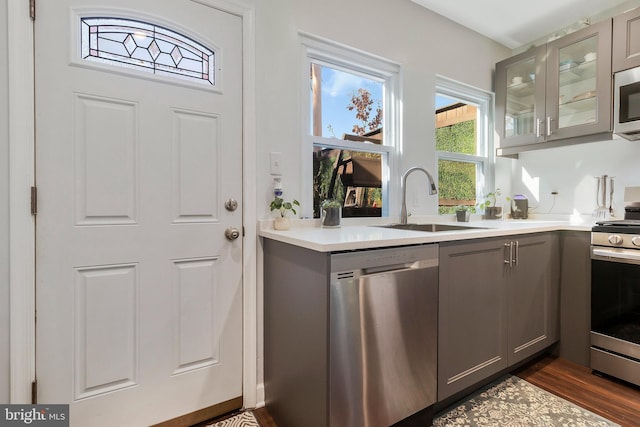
(631, 256)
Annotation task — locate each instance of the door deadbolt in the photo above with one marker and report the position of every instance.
(231, 204)
(232, 233)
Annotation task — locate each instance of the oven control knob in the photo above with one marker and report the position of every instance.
(615, 239)
(635, 240)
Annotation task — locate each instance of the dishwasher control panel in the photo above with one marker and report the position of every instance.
(345, 262)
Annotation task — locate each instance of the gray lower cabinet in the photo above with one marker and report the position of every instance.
(498, 305)
(296, 334)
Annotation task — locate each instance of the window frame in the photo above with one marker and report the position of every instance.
(485, 160)
(324, 52)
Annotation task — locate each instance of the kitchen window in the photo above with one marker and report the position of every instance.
(349, 128)
(464, 144)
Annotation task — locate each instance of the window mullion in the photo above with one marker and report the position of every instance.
(446, 155)
(349, 145)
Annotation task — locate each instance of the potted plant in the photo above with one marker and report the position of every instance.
(463, 212)
(282, 221)
(491, 211)
(331, 213)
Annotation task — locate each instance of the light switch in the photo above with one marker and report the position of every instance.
(276, 163)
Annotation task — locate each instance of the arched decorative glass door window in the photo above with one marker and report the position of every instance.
(144, 46)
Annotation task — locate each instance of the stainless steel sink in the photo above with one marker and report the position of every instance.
(432, 228)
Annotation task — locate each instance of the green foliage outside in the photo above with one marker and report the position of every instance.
(456, 180)
(323, 165)
(458, 138)
(324, 162)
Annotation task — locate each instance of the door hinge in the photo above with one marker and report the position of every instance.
(34, 392)
(32, 9)
(34, 200)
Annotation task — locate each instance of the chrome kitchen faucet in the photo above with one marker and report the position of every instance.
(432, 190)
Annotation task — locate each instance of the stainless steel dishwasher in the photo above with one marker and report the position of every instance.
(383, 336)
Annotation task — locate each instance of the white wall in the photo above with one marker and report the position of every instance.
(571, 170)
(4, 212)
(425, 44)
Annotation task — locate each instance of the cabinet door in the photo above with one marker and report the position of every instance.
(626, 40)
(472, 314)
(520, 98)
(579, 83)
(533, 289)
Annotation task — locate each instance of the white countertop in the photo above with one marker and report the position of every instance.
(361, 233)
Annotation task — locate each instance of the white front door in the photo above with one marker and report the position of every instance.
(138, 146)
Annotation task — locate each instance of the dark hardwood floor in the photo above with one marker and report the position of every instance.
(605, 396)
(263, 417)
(613, 399)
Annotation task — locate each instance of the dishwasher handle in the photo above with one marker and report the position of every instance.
(425, 263)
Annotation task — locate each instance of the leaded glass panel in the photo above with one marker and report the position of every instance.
(144, 46)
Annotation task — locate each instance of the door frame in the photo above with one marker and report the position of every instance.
(22, 236)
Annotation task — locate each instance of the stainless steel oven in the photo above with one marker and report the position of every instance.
(615, 299)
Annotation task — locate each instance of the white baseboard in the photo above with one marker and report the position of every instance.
(260, 396)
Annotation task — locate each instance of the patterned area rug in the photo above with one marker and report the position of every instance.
(513, 402)
(243, 419)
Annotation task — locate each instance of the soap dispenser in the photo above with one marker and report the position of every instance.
(277, 187)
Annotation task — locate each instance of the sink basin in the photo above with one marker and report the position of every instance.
(432, 228)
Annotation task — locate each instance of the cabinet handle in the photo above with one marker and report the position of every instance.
(509, 258)
(513, 257)
(538, 121)
(549, 126)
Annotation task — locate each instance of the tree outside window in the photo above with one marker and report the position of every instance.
(347, 107)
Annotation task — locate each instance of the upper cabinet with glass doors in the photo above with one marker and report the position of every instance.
(520, 97)
(556, 94)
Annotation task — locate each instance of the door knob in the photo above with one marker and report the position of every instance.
(232, 233)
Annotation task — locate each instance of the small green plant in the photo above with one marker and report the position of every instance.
(465, 208)
(330, 203)
(491, 211)
(284, 207)
(463, 212)
(490, 199)
(331, 213)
